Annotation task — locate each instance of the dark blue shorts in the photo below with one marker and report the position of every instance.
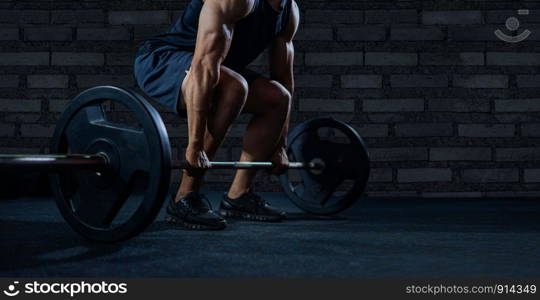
(160, 73)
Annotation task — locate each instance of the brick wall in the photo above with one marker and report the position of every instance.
(446, 108)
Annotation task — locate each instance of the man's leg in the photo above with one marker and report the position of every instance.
(229, 99)
(270, 104)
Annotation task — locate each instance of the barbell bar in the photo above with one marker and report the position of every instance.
(52, 162)
(249, 165)
(100, 162)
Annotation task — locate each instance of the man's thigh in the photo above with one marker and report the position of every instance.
(265, 94)
(227, 79)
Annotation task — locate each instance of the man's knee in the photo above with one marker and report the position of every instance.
(279, 98)
(234, 86)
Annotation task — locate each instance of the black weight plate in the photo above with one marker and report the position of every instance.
(346, 171)
(118, 203)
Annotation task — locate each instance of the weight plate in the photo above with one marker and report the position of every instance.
(120, 202)
(346, 171)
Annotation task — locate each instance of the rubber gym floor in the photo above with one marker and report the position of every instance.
(375, 238)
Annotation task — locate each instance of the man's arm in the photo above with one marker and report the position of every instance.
(282, 52)
(281, 60)
(215, 31)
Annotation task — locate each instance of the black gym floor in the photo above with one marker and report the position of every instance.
(376, 238)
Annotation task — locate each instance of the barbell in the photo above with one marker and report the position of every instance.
(111, 177)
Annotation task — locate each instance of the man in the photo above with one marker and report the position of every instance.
(198, 69)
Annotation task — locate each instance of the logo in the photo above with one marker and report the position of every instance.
(512, 24)
(67, 288)
(11, 292)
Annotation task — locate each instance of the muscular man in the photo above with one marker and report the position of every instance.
(198, 69)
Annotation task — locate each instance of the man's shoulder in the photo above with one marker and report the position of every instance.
(235, 7)
(292, 21)
(294, 6)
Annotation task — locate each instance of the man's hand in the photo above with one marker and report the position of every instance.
(280, 161)
(196, 158)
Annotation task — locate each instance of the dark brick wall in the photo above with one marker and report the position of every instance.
(446, 108)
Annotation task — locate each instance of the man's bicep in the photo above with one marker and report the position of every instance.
(216, 26)
(281, 54)
(289, 31)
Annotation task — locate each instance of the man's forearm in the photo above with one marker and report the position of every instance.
(289, 85)
(199, 90)
(284, 135)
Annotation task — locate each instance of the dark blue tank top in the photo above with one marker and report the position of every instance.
(252, 34)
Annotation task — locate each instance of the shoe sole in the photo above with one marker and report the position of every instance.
(177, 221)
(247, 216)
